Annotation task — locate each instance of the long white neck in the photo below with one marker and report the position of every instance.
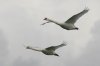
(56, 23)
(34, 49)
(49, 20)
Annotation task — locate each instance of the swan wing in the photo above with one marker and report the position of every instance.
(75, 17)
(53, 48)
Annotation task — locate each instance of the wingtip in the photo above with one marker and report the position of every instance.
(86, 8)
(64, 43)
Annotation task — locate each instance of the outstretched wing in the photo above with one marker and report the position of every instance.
(75, 17)
(56, 47)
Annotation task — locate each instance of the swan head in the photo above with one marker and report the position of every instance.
(76, 28)
(56, 54)
(27, 47)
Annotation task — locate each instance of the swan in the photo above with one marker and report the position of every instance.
(49, 50)
(69, 24)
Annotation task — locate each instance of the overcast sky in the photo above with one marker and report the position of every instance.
(20, 25)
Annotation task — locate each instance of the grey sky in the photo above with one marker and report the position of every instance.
(20, 23)
(29, 62)
(3, 49)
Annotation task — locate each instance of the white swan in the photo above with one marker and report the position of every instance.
(49, 50)
(69, 24)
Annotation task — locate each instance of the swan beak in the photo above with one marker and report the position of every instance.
(45, 19)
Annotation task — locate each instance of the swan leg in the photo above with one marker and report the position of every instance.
(45, 23)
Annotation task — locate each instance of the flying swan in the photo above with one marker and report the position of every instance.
(48, 51)
(69, 24)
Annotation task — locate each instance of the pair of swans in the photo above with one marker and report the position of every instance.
(68, 25)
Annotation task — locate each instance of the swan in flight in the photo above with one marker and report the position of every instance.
(48, 51)
(69, 24)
